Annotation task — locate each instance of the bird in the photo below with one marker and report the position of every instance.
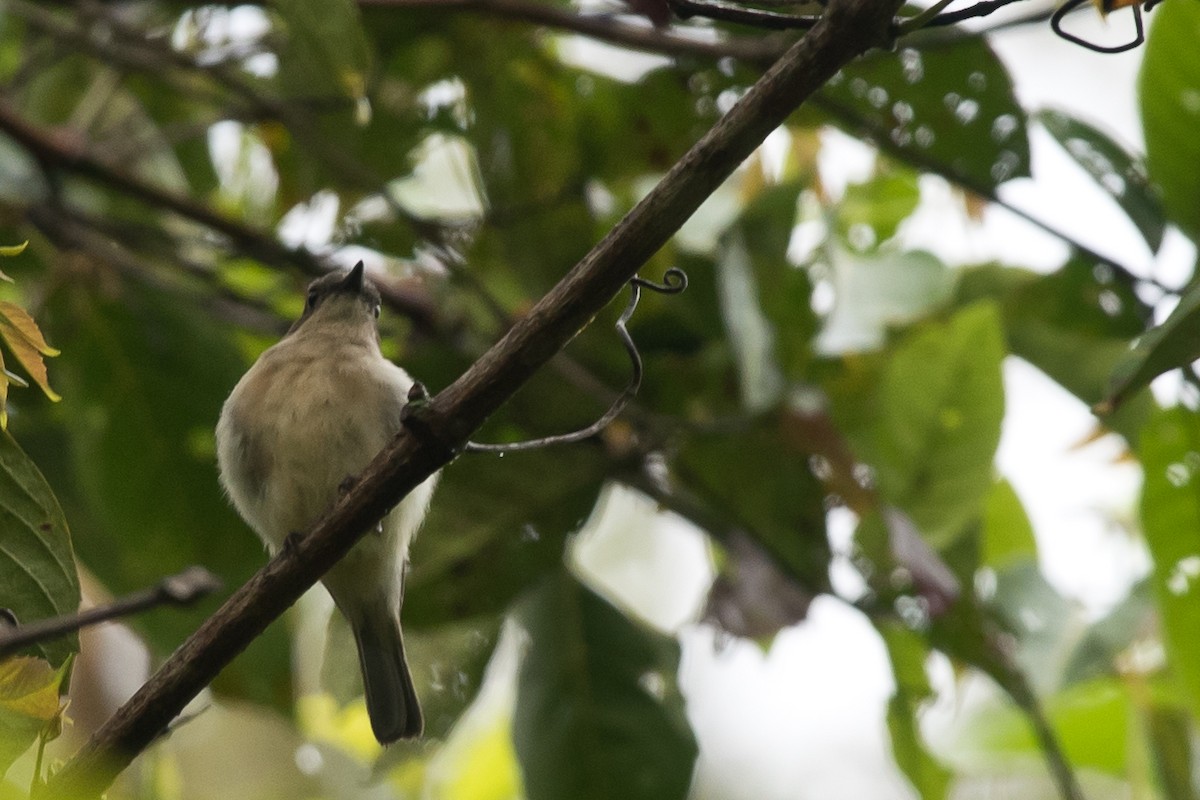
(310, 413)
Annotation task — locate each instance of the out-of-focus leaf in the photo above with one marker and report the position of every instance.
(1174, 343)
(496, 525)
(1106, 638)
(939, 409)
(1169, 94)
(751, 597)
(749, 331)
(758, 480)
(1120, 173)
(1007, 532)
(29, 705)
(946, 105)
(1170, 734)
(880, 204)
(1047, 626)
(326, 52)
(598, 714)
(908, 653)
(784, 291)
(1073, 324)
(875, 290)
(1092, 720)
(37, 567)
(1170, 455)
(146, 374)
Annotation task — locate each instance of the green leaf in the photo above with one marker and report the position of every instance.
(326, 51)
(1047, 626)
(495, 526)
(940, 406)
(29, 705)
(37, 566)
(1170, 733)
(951, 106)
(758, 480)
(1092, 720)
(1119, 172)
(908, 653)
(1097, 652)
(784, 290)
(1073, 325)
(598, 714)
(1007, 532)
(1174, 343)
(881, 204)
(1170, 453)
(1169, 93)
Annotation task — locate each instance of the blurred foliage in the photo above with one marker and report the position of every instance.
(180, 171)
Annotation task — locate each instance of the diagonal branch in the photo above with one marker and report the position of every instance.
(440, 428)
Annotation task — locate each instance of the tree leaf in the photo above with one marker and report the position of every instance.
(1007, 532)
(908, 653)
(30, 705)
(598, 714)
(326, 51)
(1170, 453)
(881, 204)
(1169, 94)
(496, 525)
(948, 105)
(940, 406)
(37, 566)
(1118, 172)
(23, 336)
(1174, 343)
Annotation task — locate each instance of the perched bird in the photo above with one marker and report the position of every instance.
(313, 410)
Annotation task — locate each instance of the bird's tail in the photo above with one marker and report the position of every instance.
(391, 699)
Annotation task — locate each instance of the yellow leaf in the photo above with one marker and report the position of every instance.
(4, 383)
(25, 339)
(13, 249)
(29, 687)
(30, 706)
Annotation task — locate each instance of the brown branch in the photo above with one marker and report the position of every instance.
(762, 51)
(441, 427)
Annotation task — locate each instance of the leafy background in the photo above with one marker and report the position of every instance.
(816, 436)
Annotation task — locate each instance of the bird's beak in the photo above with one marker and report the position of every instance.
(354, 281)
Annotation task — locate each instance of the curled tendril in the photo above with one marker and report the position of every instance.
(1139, 36)
(674, 281)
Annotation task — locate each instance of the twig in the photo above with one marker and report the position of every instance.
(762, 51)
(713, 9)
(178, 590)
(848, 28)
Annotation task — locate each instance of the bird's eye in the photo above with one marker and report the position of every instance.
(311, 302)
(376, 310)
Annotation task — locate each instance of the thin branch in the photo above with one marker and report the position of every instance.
(848, 29)
(762, 51)
(739, 15)
(182, 589)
